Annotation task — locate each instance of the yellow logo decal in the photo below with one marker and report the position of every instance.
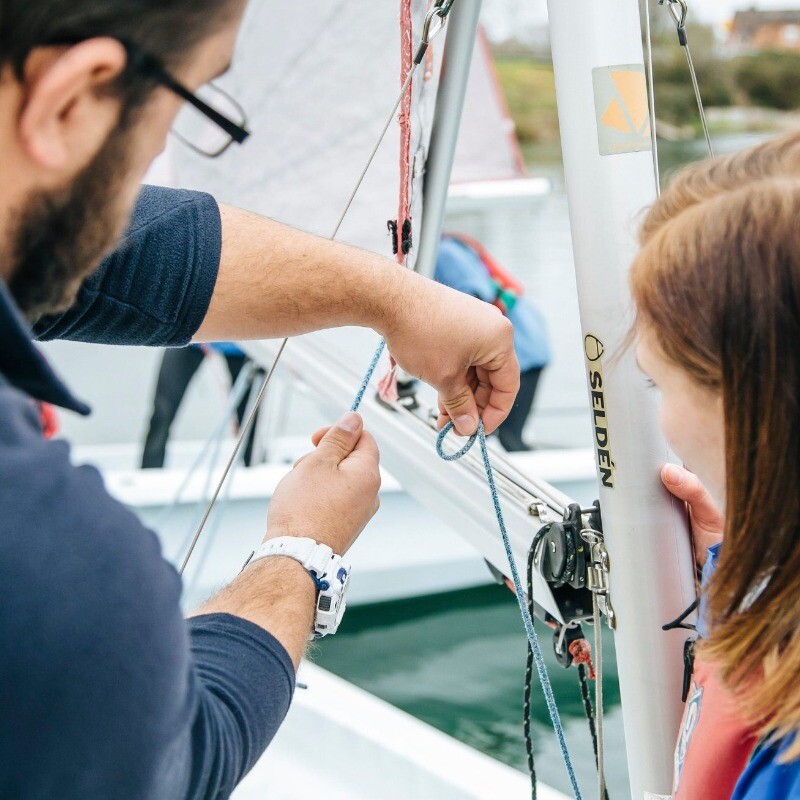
(620, 95)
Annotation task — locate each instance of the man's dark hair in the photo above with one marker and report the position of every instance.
(166, 29)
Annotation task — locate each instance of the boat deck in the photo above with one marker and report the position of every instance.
(342, 743)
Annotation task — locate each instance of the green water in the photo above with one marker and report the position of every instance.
(457, 661)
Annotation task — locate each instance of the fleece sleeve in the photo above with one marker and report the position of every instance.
(155, 288)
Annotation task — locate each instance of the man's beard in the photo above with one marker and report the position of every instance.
(59, 237)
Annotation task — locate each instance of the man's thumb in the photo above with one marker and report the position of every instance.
(340, 440)
(461, 407)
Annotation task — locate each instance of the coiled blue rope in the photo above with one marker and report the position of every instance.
(480, 436)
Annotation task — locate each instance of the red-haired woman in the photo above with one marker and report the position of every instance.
(717, 291)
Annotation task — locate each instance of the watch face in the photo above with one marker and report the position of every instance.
(331, 600)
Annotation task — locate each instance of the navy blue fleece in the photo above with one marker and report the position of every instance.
(106, 692)
(155, 288)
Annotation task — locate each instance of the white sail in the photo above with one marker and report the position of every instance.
(316, 95)
(487, 148)
(317, 85)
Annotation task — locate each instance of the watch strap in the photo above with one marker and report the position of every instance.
(311, 554)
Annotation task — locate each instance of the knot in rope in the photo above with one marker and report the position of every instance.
(581, 652)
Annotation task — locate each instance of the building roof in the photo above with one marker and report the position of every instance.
(746, 23)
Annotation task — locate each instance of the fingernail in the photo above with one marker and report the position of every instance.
(465, 424)
(349, 422)
(673, 475)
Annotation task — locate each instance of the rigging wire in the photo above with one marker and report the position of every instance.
(235, 396)
(699, 99)
(201, 560)
(435, 21)
(651, 94)
(242, 434)
(679, 18)
(598, 696)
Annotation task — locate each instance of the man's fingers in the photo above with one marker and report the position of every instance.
(316, 437)
(686, 486)
(367, 447)
(365, 458)
(485, 398)
(503, 384)
(365, 452)
(459, 403)
(341, 439)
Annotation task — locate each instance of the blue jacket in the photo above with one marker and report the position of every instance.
(227, 348)
(459, 267)
(765, 778)
(106, 692)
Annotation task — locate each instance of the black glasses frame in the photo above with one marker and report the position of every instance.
(148, 66)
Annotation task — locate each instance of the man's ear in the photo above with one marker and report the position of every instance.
(65, 116)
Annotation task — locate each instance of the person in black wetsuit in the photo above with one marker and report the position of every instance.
(178, 367)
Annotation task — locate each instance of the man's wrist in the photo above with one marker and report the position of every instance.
(284, 558)
(384, 285)
(329, 572)
(289, 573)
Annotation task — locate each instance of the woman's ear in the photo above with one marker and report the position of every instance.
(66, 115)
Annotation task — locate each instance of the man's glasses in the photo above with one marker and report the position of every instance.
(210, 122)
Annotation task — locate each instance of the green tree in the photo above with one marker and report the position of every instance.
(770, 79)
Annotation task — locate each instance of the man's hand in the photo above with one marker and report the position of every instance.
(332, 493)
(707, 522)
(329, 496)
(462, 347)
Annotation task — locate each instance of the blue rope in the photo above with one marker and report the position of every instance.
(544, 679)
(368, 376)
(480, 435)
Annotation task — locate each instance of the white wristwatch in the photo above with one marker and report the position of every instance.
(329, 572)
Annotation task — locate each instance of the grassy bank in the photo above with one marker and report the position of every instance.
(531, 97)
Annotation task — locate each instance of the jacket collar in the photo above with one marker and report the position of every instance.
(22, 363)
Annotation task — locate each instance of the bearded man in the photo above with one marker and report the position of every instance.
(107, 691)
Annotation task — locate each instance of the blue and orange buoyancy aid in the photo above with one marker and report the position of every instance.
(507, 288)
